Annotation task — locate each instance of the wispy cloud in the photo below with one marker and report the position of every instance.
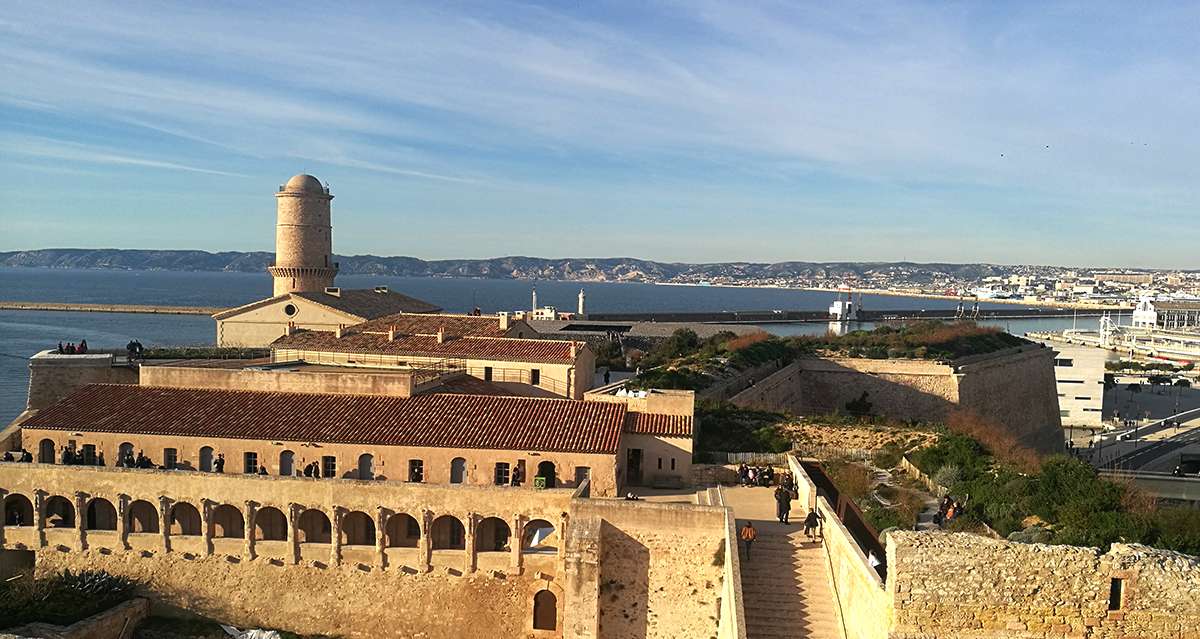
(62, 150)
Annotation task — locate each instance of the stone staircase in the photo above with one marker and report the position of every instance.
(785, 587)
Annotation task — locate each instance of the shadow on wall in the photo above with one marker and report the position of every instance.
(863, 533)
(624, 584)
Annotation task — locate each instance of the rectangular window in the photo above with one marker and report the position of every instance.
(501, 473)
(251, 463)
(89, 454)
(535, 377)
(416, 470)
(1091, 410)
(1116, 593)
(1062, 394)
(1082, 398)
(1070, 381)
(487, 373)
(1064, 362)
(1064, 413)
(329, 466)
(660, 463)
(672, 463)
(170, 458)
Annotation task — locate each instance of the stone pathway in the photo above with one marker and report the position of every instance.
(785, 585)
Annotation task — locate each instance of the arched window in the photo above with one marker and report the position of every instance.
(287, 463)
(228, 522)
(458, 470)
(546, 472)
(185, 519)
(538, 537)
(46, 451)
(448, 533)
(366, 466)
(545, 611)
(60, 513)
(125, 452)
(18, 510)
(403, 531)
(492, 535)
(270, 524)
(358, 529)
(206, 459)
(143, 518)
(101, 515)
(314, 527)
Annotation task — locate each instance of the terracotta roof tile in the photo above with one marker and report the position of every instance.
(428, 324)
(442, 421)
(659, 425)
(492, 348)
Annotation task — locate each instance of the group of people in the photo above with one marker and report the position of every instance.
(73, 349)
(134, 349)
(756, 475)
(313, 469)
(947, 510)
(21, 455)
(128, 460)
(71, 457)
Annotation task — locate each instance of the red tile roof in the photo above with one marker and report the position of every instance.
(659, 425)
(410, 324)
(442, 421)
(492, 348)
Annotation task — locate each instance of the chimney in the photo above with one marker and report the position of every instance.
(441, 335)
(338, 332)
(290, 329)
(503, 320)
(392, 333)
(572, 350)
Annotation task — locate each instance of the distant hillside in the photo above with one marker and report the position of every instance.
(581, 269)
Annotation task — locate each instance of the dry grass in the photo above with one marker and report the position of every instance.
(1002, 444)
(743, 341)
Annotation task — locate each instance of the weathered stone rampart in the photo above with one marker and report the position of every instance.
(1014, 389)
(53, 376)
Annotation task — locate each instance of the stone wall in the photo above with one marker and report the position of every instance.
(616, 568)
(864, 605)
(53, 376)
(365, 382)
(1013, 389)
(972, 587)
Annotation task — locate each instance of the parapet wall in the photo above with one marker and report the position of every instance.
(957, 585)
(365, 382)
(53, 376)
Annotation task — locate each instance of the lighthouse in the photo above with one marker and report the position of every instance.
(303, 237)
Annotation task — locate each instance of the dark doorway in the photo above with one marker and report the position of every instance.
(545, 611)
(546, 472)
(458, 470)
(633, 464)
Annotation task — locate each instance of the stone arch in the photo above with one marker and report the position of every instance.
(313, 527)
(60, 512)
(270, 524)
(46, 451)
(402, 531)
(228, 523)
(358, 529)
(492, 534)
(545, 610)
(448, 533)
(546, 470)
(206, 459)
(185, 519)
(538, 537)
(142, 517)
(366, 466)
(458, 470)
(287, 463)
(18, 510)
(101, 515)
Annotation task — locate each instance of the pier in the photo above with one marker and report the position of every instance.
(109, 308)
(781, 316)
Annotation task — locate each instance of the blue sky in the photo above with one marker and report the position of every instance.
(685, 131)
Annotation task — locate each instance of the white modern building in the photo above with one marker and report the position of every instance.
(1079, 377)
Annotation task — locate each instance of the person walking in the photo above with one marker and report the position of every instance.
(812, 521)
(748, 535)
(219, 465)
(783, 504)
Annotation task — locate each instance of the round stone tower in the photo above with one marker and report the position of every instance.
(303, 237)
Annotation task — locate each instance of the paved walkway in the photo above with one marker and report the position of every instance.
(785, 584)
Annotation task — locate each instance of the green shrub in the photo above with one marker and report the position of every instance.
(726, 427)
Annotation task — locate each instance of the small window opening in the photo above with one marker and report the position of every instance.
(1116, 593)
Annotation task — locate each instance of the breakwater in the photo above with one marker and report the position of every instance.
(781, 316)
(109, 308)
